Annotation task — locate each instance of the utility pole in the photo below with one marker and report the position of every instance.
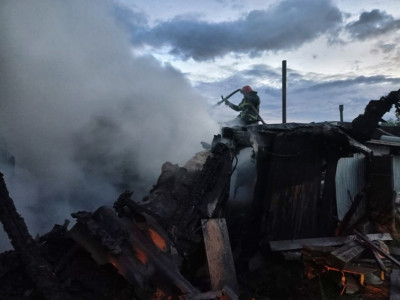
(341, 112)
(283, 91)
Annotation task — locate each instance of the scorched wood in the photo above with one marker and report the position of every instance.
(38, 269)
(364, 125)
(183, 196)
(137, 251)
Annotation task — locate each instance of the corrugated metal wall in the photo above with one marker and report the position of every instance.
(350, 179)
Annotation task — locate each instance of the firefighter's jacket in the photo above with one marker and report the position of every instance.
(249, 108)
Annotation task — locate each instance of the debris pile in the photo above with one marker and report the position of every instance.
(299, 231)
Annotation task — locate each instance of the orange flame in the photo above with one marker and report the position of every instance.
(140, 255)
(158, 240)
(160, 295)
(114, 261)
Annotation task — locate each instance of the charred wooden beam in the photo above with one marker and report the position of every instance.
(183, 196)
(364, 125)
(342, 256)
(139, 252)
(286, 245)
(219, 255)
(368, 243)
(38, 269)
(14, 225)
(379, 260)
(344, 224)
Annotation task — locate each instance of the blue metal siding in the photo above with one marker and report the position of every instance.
(350, 179)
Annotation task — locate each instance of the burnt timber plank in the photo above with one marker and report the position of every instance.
(14, 225)
(345, 254)
(368, 243)
(130, 249)
(219, 255)
(39, 270)
(287, 245)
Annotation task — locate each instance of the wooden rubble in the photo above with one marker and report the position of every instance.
(180, 242)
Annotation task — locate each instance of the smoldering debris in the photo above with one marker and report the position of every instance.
(288, 242)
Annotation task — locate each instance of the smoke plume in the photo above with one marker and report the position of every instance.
(84, 118)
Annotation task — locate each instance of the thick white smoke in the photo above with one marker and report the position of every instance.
(84, 118)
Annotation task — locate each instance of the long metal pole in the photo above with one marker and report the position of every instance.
(283, 91)
(341, 112)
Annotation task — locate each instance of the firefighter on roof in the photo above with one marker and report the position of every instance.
(249, 107)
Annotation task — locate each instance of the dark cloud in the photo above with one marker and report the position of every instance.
(349, 82)
(129, 16)
(287, 25)
(318, 99)
(374, 51)
(310, 97)
(131, 20)
(262, 71)
(372, 24)
(309, 100)
(387, 48)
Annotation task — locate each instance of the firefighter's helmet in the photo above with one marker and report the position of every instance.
(246, 89)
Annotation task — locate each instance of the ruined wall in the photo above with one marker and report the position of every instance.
(295, 191)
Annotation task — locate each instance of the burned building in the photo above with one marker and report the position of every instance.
(305, 187)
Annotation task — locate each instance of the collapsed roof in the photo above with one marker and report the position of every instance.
(155, 248)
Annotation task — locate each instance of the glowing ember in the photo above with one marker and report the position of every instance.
(141, 256)
(157, 239)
